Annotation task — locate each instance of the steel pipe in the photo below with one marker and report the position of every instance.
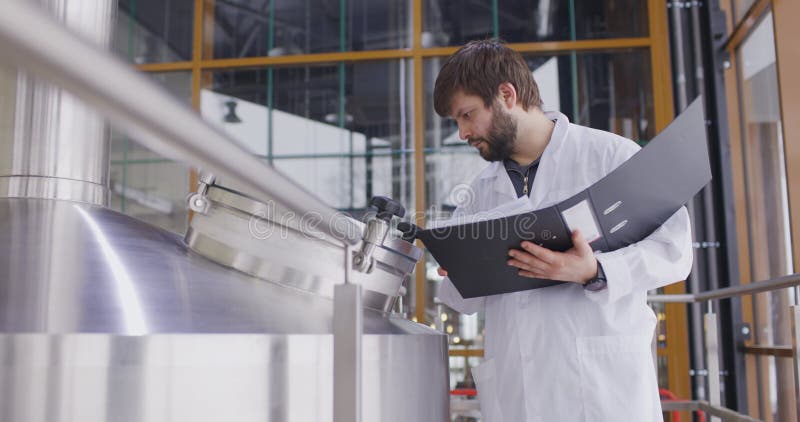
(729, 292)
(795, 316)
(712, 358)
(726, 414)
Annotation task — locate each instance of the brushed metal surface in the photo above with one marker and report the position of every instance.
(213, 377)
(347, 353)
(710, 333)
(56, 146)
(794, 316)
(68, 267)
(263, 240)
(272, 210)
(53, 188)
(104, 317)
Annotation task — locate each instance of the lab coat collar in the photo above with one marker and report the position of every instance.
(549, 162)
(502, 182)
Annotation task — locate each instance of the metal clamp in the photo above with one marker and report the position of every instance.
(197, 201)
(376, 232)
(373, 236)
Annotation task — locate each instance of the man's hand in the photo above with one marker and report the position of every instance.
(577, 265)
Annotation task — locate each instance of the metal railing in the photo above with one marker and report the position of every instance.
(712, 406)
(704, 406)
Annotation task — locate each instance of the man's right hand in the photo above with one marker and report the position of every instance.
(442, 272)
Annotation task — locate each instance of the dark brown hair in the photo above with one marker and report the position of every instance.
(479, 68)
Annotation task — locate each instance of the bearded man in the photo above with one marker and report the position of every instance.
(577, 351)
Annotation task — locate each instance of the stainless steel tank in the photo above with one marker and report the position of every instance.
(104, 317)
(262, 238)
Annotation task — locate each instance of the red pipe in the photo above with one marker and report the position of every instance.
(469, 392)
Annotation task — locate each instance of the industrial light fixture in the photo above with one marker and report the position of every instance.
(231, 117)
(334, 118)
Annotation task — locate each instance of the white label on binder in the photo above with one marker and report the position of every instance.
(580, 217)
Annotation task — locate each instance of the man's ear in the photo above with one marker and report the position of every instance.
(507, 95)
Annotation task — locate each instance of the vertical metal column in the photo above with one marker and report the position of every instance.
(270, 82)
(348, 326)
(126, 141)
(795, 316)
(53, 145)
(495, 20)
(573, 65)
(712, 358)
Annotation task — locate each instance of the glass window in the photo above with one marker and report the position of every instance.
(152, 190)
(144, 184)
(767, 208)
(605, 91)
(610, 91)
(740, 8)
(343, 131)
(450, 22)
(454, 22)
(285, 27)
(154, 31)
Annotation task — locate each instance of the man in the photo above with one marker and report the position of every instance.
(578, 351)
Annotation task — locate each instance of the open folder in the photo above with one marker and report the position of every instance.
(624, 207)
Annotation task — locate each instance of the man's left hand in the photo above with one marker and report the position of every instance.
(577, 265)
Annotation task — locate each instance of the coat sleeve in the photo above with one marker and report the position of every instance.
(450, 296)
(447, 292)
(663, 258)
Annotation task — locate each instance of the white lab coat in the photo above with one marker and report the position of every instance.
(563, 353)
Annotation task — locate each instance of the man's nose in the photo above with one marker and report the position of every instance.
(464, 132)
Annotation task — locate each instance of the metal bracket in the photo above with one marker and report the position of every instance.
(795, 318)
(374, 236)
(348, 326)
(705, 245)
(684, 4)
(197, 201)
(348, 329)
(363, 262)
(746, 331)
(712, 359)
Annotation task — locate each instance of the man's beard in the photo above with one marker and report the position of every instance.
(501, 137)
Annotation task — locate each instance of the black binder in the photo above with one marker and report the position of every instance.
(627, 205)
